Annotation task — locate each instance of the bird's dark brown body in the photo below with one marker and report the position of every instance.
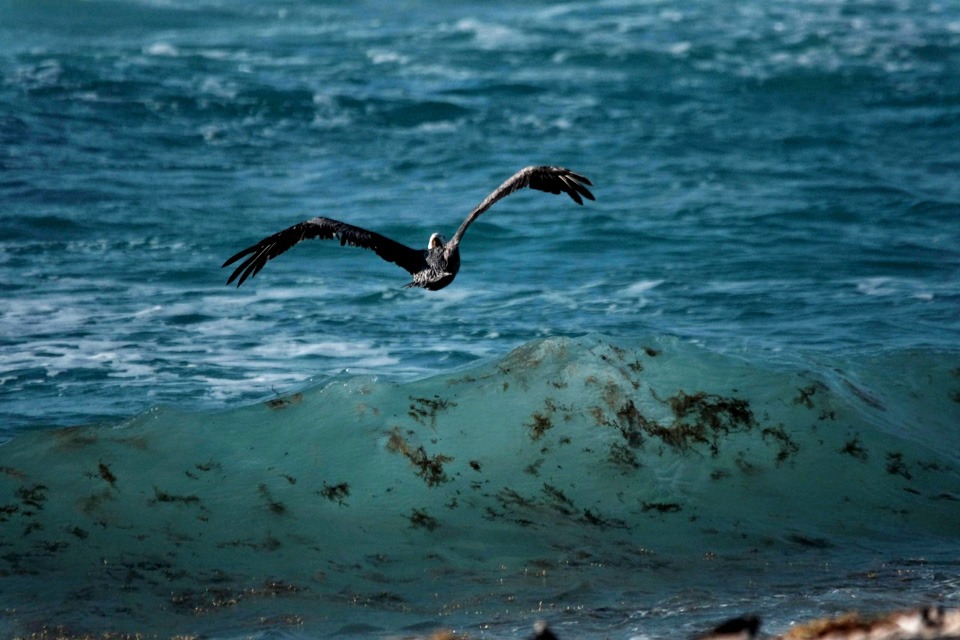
(432, 268)
(443, 264)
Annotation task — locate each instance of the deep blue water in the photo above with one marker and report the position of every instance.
(777, 214)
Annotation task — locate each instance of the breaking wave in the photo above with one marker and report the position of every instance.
(525, 473)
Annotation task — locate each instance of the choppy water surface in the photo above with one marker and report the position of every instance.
(777, 215)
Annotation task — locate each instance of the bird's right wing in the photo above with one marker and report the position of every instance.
(550, 179)
(412, 260)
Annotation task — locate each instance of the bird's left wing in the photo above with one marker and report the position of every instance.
(549, 179)
(412, 260)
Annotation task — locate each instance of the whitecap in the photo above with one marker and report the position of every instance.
(671, 15)
(383, 56)
(220, 54)
(488, 35)
(211, 133)
(327, 348)
(164, 49)
(876, 286)
(641, 287)
(218, 87)
(147, 311)
(443, 126)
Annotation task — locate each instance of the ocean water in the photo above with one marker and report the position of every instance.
(730, 384)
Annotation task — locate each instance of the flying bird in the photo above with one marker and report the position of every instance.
(432, 268)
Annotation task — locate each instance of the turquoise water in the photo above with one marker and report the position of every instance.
(616, 488)
(776, 220)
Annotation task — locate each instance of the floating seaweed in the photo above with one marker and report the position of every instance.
(854, 449)
(805, 396)
(623, 457)
(539, 424)
(426, 409)
(589, 517)
(542, 421)
(788, 446)
(633, 424)
(746, 467)
(269, 543)
(419, 519)
(94, 502)
(163, 496)
(714, 412)
(74, 438)
(661, 507)
(32, 527)
(282, 403)
(8, 510)
(430, 468)
(13, 473)
(33, 496)
(335, 493)
(533, 469)
(107, 475)
(209, 465)
(509, 498)
(558, 500)
(275, 506)
(79, 533)
(897, 467)
(719, 474)
(700, 418)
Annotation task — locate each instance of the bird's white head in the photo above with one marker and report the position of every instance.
(436, 241)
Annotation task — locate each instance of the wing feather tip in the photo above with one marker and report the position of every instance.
(584, 179)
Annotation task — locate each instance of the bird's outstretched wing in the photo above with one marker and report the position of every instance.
(409, 259)
(549, 179)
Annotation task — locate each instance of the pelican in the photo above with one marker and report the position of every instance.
(432, 268)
